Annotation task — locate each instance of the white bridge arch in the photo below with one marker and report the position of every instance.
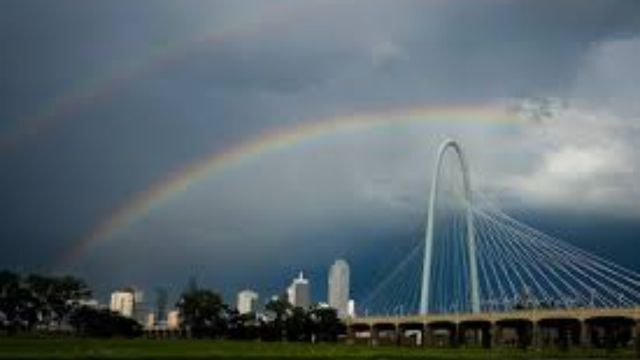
(505, 265)
(450, 144)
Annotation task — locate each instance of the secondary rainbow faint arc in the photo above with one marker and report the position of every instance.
(104, 86)
(216, 163)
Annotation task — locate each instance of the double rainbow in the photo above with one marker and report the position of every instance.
(218, 163)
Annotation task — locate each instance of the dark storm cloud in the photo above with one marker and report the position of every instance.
(277, 64)
(437, 51)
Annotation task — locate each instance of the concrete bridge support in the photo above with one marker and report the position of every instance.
(559, 332)
(384, 334)
(496, 335)
(536, 335)
(428, 340)
(585, 334)
(611, 332)
(476, 333)
(487, 336)
(517, 332)
(411, 334)
(374, 336)
(350, 336)
(443, 334)
(356, 334)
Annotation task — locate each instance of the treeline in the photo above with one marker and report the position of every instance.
(204, 315)
(57, 305)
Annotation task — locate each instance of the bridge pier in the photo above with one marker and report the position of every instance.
(611, 332)
(454, 336)
(351, 336)
(520, 332)
(561, 332)
(427, 338)
(374, 336)
(385, 334)
(536, 336)
(355, 333)
(443, 333)
(398, 335)
(585, 331)
(496, 336)
(411, 333)
(487, 336)
(478, 331)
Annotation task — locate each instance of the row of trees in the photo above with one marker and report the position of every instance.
(204, 315)
(38, 301)
(55, 304)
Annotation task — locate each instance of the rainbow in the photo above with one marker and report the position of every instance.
(91, 91)
(217, 163)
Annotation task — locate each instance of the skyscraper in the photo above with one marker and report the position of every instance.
(173, 319)
(299, 292)
(123, 302)
(150, 322)
(247, 301)
(339, 287)
(128, 302)
(161, 305)
(351, 308)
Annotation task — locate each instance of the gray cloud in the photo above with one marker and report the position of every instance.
(280, 64)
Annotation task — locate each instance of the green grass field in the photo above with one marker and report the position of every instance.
(207, 349)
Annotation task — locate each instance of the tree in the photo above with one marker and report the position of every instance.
(19, 309)
(37, 300)
(242, 326)
(103, 323)
(298, 325)
(202, 312)
(9, 283)
(326, 324)
(56, 297)
(277, 311)
(67, 293)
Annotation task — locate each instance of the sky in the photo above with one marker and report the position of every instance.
(145, 142)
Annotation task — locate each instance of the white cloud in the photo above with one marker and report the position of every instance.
(587, 156)
(575, 177)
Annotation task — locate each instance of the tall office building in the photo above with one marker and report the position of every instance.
(150, 322)
(351, 309)
(161, 305)
(128, 302)
(140, 308)
(173, 320)
(299, 292)
(247, 301)
(339, 287)
(123, 302)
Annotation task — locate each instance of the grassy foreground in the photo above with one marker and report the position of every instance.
(207, 349)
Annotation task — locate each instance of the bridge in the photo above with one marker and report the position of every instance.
(476, 275)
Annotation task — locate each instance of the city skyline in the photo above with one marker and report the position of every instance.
(124, 300)
(130, 301)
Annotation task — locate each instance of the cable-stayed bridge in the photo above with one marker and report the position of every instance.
(475, 273)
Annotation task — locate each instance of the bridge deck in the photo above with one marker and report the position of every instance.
(533, 315)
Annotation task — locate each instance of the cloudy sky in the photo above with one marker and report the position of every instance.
(101, 102)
